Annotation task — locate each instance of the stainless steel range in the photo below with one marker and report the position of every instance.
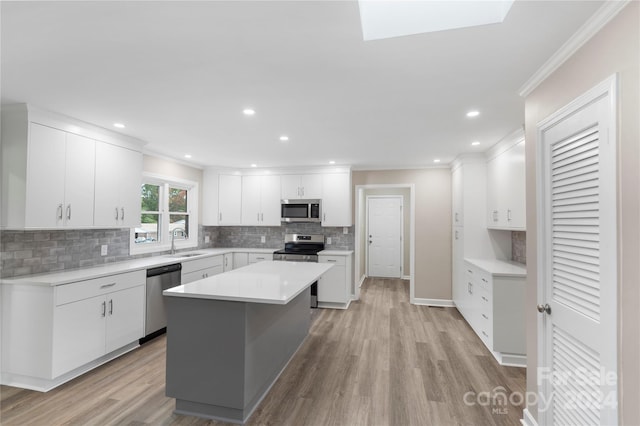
(302, 248)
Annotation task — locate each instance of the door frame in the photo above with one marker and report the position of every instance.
(360, 207)
(606, 88)
(366, 225)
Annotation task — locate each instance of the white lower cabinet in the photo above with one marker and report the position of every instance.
(90, 322)
(334, 287)
(494, 307)
(227, 263)
(259, 257)
(197, 269)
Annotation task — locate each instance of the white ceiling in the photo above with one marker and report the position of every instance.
(179, 74)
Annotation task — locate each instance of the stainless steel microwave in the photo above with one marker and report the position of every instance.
(300, 210)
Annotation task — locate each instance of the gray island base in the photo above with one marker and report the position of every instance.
(223, 356)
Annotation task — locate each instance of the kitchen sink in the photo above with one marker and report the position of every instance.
(177, 255)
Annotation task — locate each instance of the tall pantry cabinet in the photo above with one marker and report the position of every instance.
(470, 236)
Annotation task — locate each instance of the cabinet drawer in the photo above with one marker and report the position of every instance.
(198, 264)
(484, 281)
(201, 274)
(336, 260)
(486, 336)
(95, 287)
(259, 257)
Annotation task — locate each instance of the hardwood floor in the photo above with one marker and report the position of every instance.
(381, 362)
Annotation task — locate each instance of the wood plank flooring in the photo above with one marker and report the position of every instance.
(381, 362)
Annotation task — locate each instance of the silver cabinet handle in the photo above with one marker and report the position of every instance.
(509, 215)
(111, 307)
(456, 216)
(470, 288)
(104, 309)
(261, 217)
(302, 191)
(220, 217)
(122, 211)
(116, 213)
(107, 285)
(331, 260)
(495, 215)
(485, 299)
(324, 217)
(485, 281)
(485, 334)
(484, 316)
(456, 235)
(59, 212)
(69, 212)
(258, 219)
(470, 271)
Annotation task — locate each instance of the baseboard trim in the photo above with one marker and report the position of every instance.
(510, 360)
(527, 418)
(362, 278)
(444, 303)
(405, 277)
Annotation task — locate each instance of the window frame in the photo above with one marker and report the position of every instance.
(164, 243)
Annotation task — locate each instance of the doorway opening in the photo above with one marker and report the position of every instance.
(407, 192)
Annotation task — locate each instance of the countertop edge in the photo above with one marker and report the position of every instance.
(499, 268)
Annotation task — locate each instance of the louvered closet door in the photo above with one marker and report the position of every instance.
(577, 255)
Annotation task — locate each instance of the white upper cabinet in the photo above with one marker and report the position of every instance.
(117, 186)
(55, 171)
(261, 200)
(229, 199)
(506, 187)
(59, 179)
(210, 182)
(336, 199)
(457, 197)
(301, 186)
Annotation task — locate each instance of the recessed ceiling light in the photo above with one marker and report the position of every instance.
(475, 143)
(248, 111)
(472, 114)
(284, 138)
(254, 165)
(437, 160)
(187, 156)
(332, 162)
(118, 125)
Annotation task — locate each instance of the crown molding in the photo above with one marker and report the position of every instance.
(590, 28)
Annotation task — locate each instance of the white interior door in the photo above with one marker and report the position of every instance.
(577, 258)
(384, 223)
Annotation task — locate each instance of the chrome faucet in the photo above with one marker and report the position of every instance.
(173, 238)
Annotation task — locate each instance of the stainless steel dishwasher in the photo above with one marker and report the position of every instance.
(158, 280)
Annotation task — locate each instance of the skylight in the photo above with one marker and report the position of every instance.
(387, 19)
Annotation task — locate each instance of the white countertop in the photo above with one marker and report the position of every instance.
(335, 252)
(273, 282)
(499, 268)
(74, 275)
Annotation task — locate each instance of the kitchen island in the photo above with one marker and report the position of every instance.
(231, 335)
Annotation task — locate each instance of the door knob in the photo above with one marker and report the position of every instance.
(544, 308)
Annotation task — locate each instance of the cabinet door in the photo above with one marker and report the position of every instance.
(290, 187)
(107, 191)
(516, 188)
(336, 199)
(240, 260)
(493, 188)
(45, 177)
(78, 334)
(311, 186)
(79, 181)
(130, 174)
(270, 201)
(229, 199)
(210, 208)
(251, 200)
(227, 262)
(125, 317)
(458, 283)
(332, 285)
(457, 197)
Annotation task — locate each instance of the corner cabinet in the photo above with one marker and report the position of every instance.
(335, 286)
(55, 173)
(506, 185)
(91, 321)
(336, 199)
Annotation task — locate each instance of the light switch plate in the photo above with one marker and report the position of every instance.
(263, 239)
(329, 240)
(104, 249)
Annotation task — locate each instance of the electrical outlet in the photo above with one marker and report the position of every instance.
(345, 230)
(104, 250)
(263, 239)
(207, 238)
(328, 240)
